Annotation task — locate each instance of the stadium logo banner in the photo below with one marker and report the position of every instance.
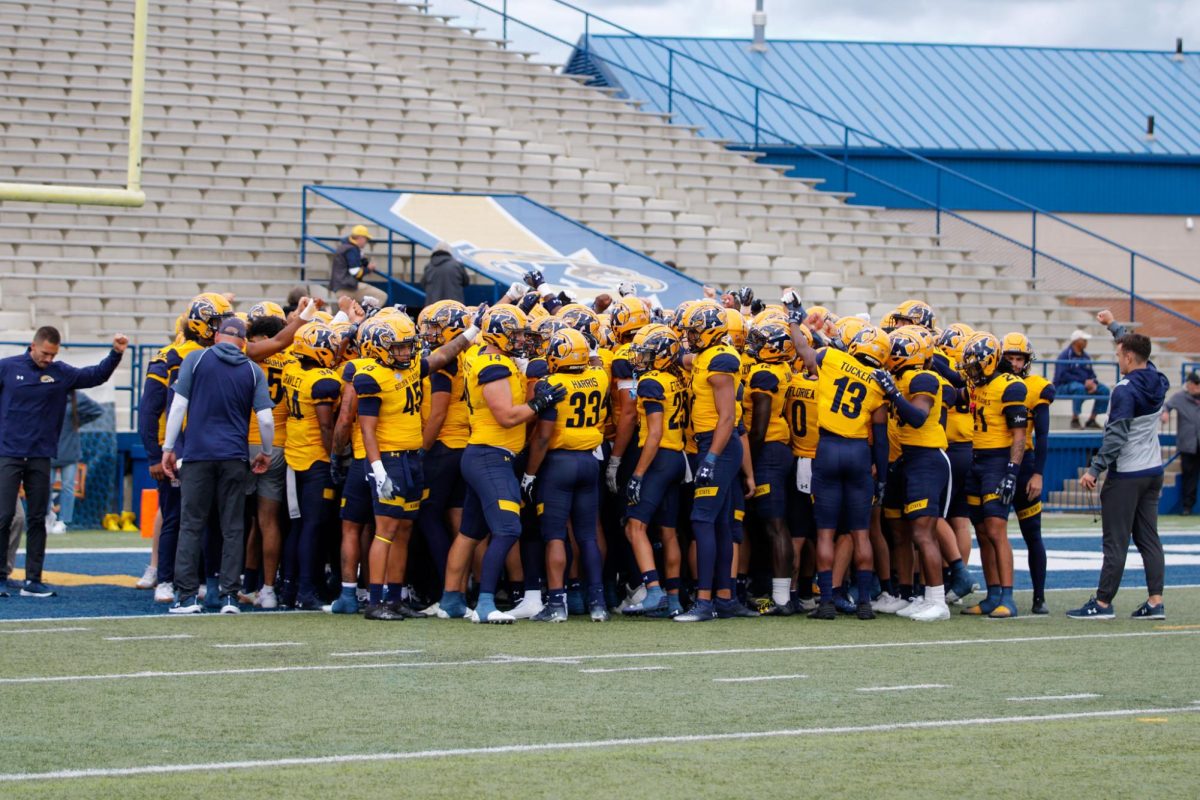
(505, 236)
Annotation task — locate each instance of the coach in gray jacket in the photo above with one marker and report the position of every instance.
(1131, 454)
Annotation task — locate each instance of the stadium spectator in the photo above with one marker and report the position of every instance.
(348, 266)
(1186, 405)
(1132, 456)
(1075, 377)
(217, 395)
(81, 410)
(9, 563)
(34, 387)
(444, 278)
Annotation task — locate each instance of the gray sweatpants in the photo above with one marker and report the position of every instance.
(1130, 505)
(203, 483)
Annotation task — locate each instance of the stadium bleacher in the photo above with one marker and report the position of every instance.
(248, 101)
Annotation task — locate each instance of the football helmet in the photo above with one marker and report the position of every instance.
(704, 325)
(654, 347)
(771, 343)
(392, 341)
(890, 323)
(774, 311)
(907, 350)
(915, 312)
(628, 316)
(676, 321)
(735, 328)
(582, 319)
(954, 338)
(317, 341)
(981, 358)
(566, 348)
(205, 313)
(266, 309)
(440, 322)
(346, 331)
(543, 329)
(506, 328)
(1017, 344)
(323, 316)
(845, 329)
(870, 346)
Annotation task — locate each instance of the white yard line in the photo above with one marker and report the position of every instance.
(162, 615)
(503, 660)
(1081, 696)
(45, 630)
(521, 749)
(376, 653)
(756, 678)
(148, 638)
(245, 645)
(624, 669)
(908, 688)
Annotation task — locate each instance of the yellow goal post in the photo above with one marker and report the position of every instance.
(132, 195)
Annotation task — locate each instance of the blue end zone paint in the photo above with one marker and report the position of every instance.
(1074, 564)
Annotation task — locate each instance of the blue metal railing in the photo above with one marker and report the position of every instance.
(1046, 364)
(767, 101)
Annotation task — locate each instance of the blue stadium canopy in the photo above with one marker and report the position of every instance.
(926, 97)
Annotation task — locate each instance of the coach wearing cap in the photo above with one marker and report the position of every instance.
(33, 397)
(216, 389)
(348, 266)
(1074, 377)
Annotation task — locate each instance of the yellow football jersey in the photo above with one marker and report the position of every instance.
(306, 389)
(348, 371)
(164, 368)
(746, 412)
(610, 422)
(662, 392)
(721, 358)
(772, 380)
(579, 417)
(1038, 392)
(273, 367)
(921, 383)
(456, 428)
(486, 368)
(396, 397)
(689, 441)
(847, 395)
(801, 414)
(988, 403)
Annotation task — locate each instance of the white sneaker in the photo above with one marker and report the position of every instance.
(931, 612)
(58, 527)
(470, 616)
(887, 604)
(434, 610)
(494, 617)
(530, 605)
(266, 598)
(149, 579)
(915, 604)
(634, 598)
(164, 593)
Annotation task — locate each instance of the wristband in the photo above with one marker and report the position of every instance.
(1012, 467)
(470, 333)
(309, 312)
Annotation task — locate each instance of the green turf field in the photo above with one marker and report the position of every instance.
(583, 709)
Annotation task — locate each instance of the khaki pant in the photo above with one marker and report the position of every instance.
(364, 290)
(15, 531)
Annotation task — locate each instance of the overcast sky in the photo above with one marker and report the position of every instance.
(1138, 24)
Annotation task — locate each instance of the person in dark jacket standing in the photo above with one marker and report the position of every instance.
(1131, 454)
(1186, 405)
(80, 411)
(216, 390)
(33, 399)
(348, 266)
(445, 278)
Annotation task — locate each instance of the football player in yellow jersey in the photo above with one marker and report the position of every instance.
(915, 400)
(626, 317)
(998, 400)
(960, 430)
(715, 367)
(562, 476)
(311, 390)
(853, 439)
(269, 487)
(770, 345)
(652, 494)
(495, 391)
(1018, 352)
(445, 433)
(390, 395)
(800, 411)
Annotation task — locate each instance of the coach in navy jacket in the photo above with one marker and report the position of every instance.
(33, 399)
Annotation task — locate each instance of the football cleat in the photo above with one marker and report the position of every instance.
(633, 599)
(382, 612)
(1092, 610)
(598, 612)
(767, 607)
(149, 578)
(529, 607)
(452, 606)
(824, 611)
(863, 611)
(806, 604)
(1147, 611)
(701, 611)
(344, 604)
(733, 609)
(914, 605)
(887, 604)
(164, 593)
(1003, 611)
(493, 617)
(931, 612)
(551, 612)
(266, 598)
(960, 587)
(844, 604)
(1039, 607)
(308, 602)
(404, 609)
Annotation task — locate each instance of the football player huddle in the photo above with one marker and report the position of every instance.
(726, 458)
